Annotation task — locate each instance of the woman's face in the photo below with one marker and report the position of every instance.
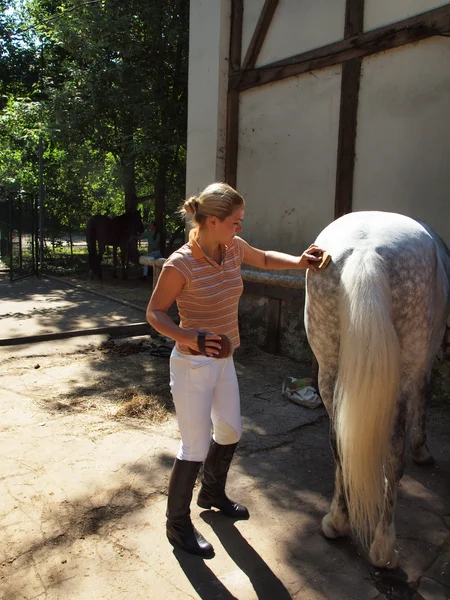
(229, 227)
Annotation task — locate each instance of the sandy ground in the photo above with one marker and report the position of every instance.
(88, 436)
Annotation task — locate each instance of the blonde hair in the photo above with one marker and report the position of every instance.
(217, 200)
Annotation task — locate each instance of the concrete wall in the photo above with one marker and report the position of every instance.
(403, 135)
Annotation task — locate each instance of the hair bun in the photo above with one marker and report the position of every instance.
(191, 205)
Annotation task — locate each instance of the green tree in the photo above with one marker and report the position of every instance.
(116, 75)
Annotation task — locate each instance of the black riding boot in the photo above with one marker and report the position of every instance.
(179, 527)
(215, 473)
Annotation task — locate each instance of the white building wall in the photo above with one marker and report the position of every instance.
(289, 130)
(403, 134)
(378, 13)
(287, 159)
(209, 40)
(301, 26)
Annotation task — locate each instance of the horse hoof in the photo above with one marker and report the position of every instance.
(330, 531)
(383, 563)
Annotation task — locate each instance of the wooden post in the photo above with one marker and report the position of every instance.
(351, 72)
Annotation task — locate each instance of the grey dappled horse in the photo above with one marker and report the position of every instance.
(375, 319)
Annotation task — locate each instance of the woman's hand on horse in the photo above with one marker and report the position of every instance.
(311, 255)
(212, 341)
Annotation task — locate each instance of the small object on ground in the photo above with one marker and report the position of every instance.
(301, 392)
(37, 366)
(224, 352)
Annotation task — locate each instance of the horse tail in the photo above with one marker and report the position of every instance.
(92, 246)
(367, 387)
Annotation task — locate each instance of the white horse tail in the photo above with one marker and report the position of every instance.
(367, 387)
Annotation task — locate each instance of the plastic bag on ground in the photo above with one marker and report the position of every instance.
(301, 392)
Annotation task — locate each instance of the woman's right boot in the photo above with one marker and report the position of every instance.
(179, 527)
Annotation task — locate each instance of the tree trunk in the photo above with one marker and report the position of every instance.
(160, 202)
(129, 183)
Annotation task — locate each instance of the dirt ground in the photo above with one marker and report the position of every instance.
(88, 435)
(132, 290)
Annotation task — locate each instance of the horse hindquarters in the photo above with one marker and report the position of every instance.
(359, 356)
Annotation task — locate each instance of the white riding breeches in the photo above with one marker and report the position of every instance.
(204, 390)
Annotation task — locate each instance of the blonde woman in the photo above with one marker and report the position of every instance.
(204, 278)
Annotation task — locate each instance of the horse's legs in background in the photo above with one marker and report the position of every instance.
(114, 261)
(336, 522)
(124, 260)
(419, 400)
(382, 549)
(101, 251)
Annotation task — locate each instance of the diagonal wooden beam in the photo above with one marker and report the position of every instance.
(259, 35)
(232, 131)
(414, 29)
(350, 79)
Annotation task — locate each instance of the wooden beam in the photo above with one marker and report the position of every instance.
(350, 78)
(414, 29)
(345, 166)
(131, 330)
(232, 132)
(259, 35)
(354, 18)
(237, 17)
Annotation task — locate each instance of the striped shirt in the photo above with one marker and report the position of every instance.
(210, 297)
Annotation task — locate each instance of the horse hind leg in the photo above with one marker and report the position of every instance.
(382, 553)
(419, 400)
(335, 523)
(322, 325)
(114, 273)
(101, 251)
(124, 261)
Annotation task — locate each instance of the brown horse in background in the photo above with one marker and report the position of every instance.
(117, 232)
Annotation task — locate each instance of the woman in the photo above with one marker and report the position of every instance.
(204, 278)
(154, 241)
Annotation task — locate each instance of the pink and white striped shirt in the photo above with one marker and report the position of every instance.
(210, 297)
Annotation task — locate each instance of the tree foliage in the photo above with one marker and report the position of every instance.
(103, 83)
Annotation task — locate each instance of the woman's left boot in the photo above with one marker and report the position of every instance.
(215, 471)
